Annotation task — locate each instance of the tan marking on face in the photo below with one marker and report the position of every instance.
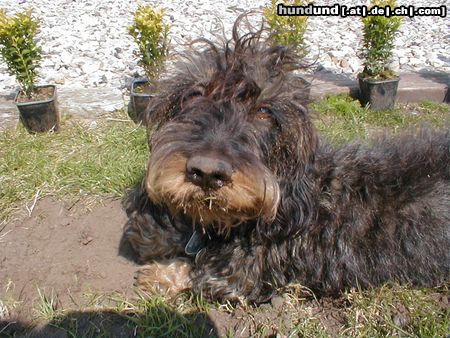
(248, 196)
(166, 179)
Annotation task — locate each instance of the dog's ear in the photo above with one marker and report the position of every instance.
(158, 111)
(294, 209)
(165, 103)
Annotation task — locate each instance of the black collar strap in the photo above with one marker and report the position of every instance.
(195, 244)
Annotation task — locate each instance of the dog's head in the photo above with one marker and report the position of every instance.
(228, 128)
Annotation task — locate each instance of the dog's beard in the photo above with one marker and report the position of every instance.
(249, 195)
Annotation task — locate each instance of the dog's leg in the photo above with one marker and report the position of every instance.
(151, 240)
(230, 272)
(223, 272)
(157, 243)
(168, 277)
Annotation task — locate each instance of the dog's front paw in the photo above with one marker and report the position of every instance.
(168, 277)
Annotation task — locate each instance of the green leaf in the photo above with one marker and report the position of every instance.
(18, 47)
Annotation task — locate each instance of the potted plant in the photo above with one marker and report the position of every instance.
(151, 35)
(377, 83)
(289, 30)
(18, 48)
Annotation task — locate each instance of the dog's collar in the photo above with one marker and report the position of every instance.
(196, 243)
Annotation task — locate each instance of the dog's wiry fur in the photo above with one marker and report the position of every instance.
(294, 209)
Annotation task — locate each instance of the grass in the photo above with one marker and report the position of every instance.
(110, 158)
(46, 308)
(341, 118)
(158, 318)
(309, 327)
(76, 161)
(397, 311)
(388, 311)
(145, 316)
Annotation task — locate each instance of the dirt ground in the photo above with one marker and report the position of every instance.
(71, 254)
(65, 250)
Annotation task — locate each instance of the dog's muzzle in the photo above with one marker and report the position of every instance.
(208, 172)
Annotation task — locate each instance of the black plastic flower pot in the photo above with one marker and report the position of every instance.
(41, 115)
(139, 100)
(379, 94)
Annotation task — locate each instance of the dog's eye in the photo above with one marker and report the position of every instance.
(263, 114)
(193, 93)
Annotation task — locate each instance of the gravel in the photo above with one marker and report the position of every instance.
(85, 43)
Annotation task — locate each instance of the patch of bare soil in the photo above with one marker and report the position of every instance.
(72, 254)
(281, 315)
(65, 252)
(39, 94)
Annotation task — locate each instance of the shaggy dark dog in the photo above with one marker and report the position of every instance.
(241, 197)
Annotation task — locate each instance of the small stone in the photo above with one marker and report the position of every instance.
(47, 62)
(415, 61)
(346, 50)
(337, 54)
(57, 65)
(417, 52)
(119, 66)
(89, 20)
(50, 75)
(401, 316)
(437, 63)
(87, 240)
(395, 65)
(97, 31)
(74, 72)
(277, 302)
(65, 57)
(355, 64)
(90, 68)
(400, 53)
(403, 60)
(344, 63)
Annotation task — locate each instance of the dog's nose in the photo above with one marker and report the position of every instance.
(208, 172)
